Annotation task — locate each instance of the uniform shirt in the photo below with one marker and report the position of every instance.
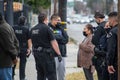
(60, 34)
(41, 36)
(23, 35)
(112, 47)
(99, 31)
(61, 37)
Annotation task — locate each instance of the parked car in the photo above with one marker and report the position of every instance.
(84, 19)
(69, 21)
(91, 18)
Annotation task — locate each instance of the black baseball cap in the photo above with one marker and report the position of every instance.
(99, 15)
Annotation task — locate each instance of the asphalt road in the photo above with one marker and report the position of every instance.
(75, 31)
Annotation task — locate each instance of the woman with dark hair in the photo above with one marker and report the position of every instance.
(86, 52)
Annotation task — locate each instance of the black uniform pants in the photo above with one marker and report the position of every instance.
(22, 65)
(45, 65)
(101, 69)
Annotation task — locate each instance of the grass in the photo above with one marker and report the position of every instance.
(78, 76)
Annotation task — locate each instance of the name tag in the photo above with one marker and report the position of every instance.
(35, 31)
(19, 31)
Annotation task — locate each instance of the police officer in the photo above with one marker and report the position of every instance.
(99, 59)
(43, 43)
(62, 39)
(23, 35)
(112, 46)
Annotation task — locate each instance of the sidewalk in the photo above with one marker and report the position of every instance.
(71, 64)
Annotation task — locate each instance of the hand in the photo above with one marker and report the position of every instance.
(92, 69)
(111, 69)
(59, 58)
(28, 52)
(15, 61)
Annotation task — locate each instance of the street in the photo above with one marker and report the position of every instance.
(75, 32)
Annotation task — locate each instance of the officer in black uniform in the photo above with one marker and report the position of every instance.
(43, 43)
(23, 35)
(99, 59)
(112, 46)
(62, 38)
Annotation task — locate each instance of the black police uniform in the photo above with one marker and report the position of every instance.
(42, 36)
(113, 51)
(23, 35)
(61, 37)
(98, 59)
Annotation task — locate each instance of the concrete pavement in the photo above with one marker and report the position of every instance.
(71, 63)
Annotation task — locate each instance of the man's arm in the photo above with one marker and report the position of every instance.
(29, 47)
(65, 38)
(111, 52)
(55, 46)
(56, 49)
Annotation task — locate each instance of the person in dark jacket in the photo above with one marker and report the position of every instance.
(99, 59)
(112, 46)
(23, 36)
(62, 39)
(9, 48)
(43, 42)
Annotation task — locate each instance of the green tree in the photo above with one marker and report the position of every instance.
(37, 4)
(100, 5)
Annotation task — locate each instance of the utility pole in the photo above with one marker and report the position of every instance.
(2, 7)
(62, 10)
(119, 40)
(9, 12)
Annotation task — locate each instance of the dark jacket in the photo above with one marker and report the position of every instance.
(98, 33)
(61, 37)
(8, 45)
(23, 35)
(112, 47)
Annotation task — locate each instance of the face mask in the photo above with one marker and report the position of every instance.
(84, 33)
(58, 24)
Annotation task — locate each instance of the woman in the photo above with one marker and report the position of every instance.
(86, 52)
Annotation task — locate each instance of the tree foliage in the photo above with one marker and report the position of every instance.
(36, 4)
(100, 5)
(39, 3)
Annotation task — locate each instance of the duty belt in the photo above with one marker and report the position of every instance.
(39, 49)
